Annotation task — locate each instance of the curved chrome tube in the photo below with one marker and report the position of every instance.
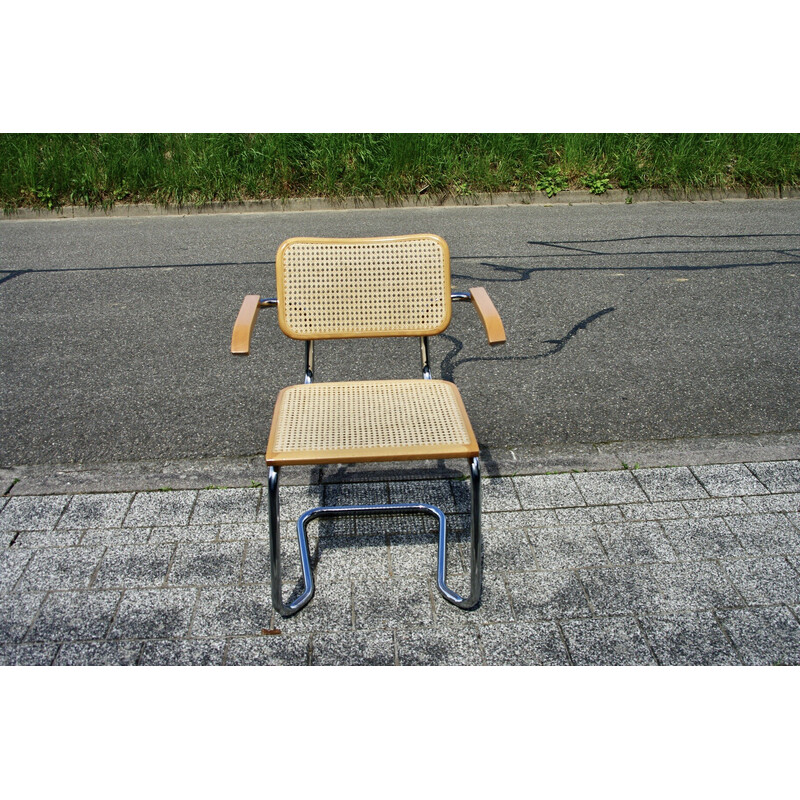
(476, 565)
(284, 609)
(475, 547)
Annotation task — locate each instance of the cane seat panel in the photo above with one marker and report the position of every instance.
(345, 422)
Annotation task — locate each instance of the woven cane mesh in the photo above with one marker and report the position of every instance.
(370, 415)
(392, 287)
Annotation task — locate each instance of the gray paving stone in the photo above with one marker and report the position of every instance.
(606, 642)
(415, 554)
(233, 611)
(728, 480)
(226, 505)
(214, 564)
(114, 537)
(716, 507)
(539, 518)
(293, 501)
(794, 518)
(497, 494)
(634, 543)
(96, 510)
(383, 524)
(672, 483)
(32, 513)
(331, 608)
(766, 533)
(99, 654)
(765, 580)
(184, 533)
(764, 637)
(566, 547)
(37, 539)
(67, 616)
(702, 538)
(18, 611)
(439, 647)
(547, 595)
(773, 503)
(507, 551)
(778, 476)
(434, 493)
(183, 653)
(589, 515)
(695, 586)
(61, 568)
(343, 557)
(135, 565)
(392, 603)
(245, 531)
(524, 644)
(623, 590)
(257, 566)
(358, 648)
(153, 614)
(27, 655)
(548, 491)
(366, 494)
(601, 488)
(12, 565)
(689, 640)
(160, 508)
(647, 512)
(494, 604)
(268, 651)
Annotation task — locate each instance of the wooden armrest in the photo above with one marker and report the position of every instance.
(489, 316)
(243, 327)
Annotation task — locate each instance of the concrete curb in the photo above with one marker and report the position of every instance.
(569, 197)
(250, 471)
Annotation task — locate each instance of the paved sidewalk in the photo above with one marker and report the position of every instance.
(674, 566)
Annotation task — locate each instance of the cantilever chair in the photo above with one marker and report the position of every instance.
(352, 288)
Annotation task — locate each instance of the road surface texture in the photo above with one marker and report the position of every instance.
(651, 321)
(651, 366)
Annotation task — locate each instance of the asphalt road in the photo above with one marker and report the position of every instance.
(643, 321)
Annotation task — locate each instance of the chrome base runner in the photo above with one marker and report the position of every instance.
(476, 562)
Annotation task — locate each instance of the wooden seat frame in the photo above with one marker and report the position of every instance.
(382, 268)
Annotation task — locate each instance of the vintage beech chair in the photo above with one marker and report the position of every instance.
(349, 288)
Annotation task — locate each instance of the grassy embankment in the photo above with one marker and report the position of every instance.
(53, 170)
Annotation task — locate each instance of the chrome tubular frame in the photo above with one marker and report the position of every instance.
(309, 375)
(475, 546)
(476, 538)
(426, 364)
(476, 549)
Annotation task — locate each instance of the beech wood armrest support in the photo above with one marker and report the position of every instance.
(245, 322)
(489, 316)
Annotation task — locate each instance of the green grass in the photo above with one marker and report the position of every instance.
(53, 170)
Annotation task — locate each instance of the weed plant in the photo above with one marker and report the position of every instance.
(52, 170)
